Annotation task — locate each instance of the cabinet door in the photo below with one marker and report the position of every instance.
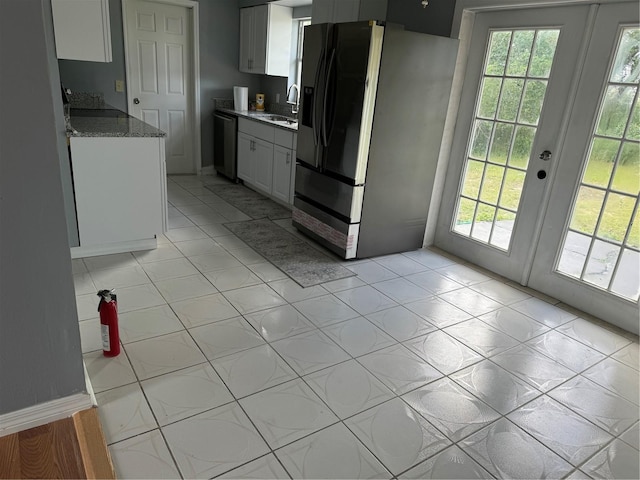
(245, 157)
(82, 30)
(260, 32)
(281, 188)
(263, 158)
(246, 39)
(292, 184)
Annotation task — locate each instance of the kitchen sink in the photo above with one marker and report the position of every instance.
(280, 119)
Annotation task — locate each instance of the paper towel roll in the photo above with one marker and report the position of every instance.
(241, 98)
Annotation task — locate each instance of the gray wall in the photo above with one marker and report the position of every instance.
(97, 76)
(436, 19)
(219, 47)
(219, 44)
(40, 354)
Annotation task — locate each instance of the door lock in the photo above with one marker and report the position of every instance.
(546, 156)
(136, 101)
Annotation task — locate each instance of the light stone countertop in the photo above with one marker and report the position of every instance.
(263, 117)
(108, 122)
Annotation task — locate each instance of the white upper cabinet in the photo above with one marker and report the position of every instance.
(340, 11)
(82, 29)
(265, 39)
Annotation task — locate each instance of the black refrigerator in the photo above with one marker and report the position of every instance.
(373, 105)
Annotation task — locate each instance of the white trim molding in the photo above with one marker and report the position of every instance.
(476, 6)
(116, 247)
(44, 413)
(194, 8)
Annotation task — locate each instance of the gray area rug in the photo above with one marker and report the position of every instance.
(249, 202)
(303, 263)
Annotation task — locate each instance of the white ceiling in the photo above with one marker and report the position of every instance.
(292, 3)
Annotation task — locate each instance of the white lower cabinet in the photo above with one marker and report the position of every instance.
(120, 193)
(246, 163)
(266, 159)
(263, 154)
(282, 158)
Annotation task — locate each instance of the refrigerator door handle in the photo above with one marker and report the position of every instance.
(325, 97)
(314, 120)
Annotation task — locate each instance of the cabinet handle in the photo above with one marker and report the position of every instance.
(288, 158)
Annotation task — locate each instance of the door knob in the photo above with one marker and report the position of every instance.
(546, 156)
(136, 101)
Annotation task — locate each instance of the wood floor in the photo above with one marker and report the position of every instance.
(73, 447)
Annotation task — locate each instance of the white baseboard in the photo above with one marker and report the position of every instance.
(119, 247)
(43, 413)
(208, 170)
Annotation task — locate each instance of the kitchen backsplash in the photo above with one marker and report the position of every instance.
(277, 108)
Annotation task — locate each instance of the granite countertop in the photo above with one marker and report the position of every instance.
(108, 122)
(290, 124)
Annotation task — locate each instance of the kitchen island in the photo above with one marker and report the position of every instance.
(119, 181)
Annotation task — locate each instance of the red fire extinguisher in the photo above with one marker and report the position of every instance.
(108, 308)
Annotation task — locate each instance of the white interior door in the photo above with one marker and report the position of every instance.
(160, 84)
(589, 249)
(550, 200)
(518, 77)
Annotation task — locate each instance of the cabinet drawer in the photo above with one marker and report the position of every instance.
(284, 138)
(257, 129)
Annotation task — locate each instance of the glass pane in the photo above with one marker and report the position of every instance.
(633, 240)
(543, 52)
(501, 143)
(615, 110)
(481, 136)
(522, 147)
(512, 189)
(627, 176)
(532, 103)
(491, 184)
(626, 68)
(587, 210)
(520, 53)
(574, 254)
(601, 160)
(616, 217)
(510, 99)
(464, 217)
(633, 131)
(502, 229)
(498, 49)
(627, 279)
(483, 222)
(601, 264)
(472, 179)
(489, 98)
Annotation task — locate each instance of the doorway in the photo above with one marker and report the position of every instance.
(544, 177)
(162, 69)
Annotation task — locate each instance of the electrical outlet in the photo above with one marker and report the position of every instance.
(119, 86)
(277, 98)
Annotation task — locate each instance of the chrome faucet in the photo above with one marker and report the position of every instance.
(295, 105)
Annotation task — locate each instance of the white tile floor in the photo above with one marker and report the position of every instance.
(420, 366)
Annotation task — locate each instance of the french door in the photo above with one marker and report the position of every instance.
(543, 182)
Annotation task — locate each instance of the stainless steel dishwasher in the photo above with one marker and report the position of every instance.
(225, 137)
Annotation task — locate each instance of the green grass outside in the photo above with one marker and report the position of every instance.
(617, 213)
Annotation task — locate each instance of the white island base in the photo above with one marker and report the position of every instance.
(120, 191)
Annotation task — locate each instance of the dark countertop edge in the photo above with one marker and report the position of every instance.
(152, 132)
(257, 116)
